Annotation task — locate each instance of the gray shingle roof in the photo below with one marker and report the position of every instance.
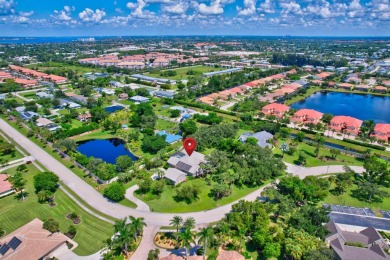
(262, 138)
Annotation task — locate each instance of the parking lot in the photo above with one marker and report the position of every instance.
(385, 214)
(352, 210)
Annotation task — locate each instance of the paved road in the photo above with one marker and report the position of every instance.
(97, 201)
(302, 172)
(130, 196)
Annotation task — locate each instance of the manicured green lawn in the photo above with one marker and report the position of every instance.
(324, 157)
(47, 65)
(167, 203)
(182, 72)
(297, 98)
(348, 200)
(162, 124)
(91, 232)
(100, 134)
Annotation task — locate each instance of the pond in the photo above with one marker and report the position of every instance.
(361, 106)
(107, 149)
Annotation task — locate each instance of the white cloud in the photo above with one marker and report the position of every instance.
(266, 7)
(291, 7)
(248, 9)
(215, 7)
(88, 15)
(138, 10)
(63, 15)
(7, 7)
(178, 8)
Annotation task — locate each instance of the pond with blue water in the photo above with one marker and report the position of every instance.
(106, 149)
(361, 106)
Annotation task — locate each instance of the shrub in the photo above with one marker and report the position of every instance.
(115, 192)
(45, 181)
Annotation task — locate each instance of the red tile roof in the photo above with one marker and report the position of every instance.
(277, 107)
(383, 128)
(310, 113)
(347, 120)
(5, 185)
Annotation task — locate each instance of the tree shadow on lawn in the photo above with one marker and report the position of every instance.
(357, 194)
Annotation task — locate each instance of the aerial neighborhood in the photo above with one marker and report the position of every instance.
(290, 158)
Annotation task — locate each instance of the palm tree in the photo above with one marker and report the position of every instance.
(204, 235)
(18, 183)
(176, 221)
(124, 235)
(186, 238)
(43, 196)
(138, 225)
(189, 223)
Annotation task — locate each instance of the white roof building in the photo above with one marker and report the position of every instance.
(187, 164)
(174, 175)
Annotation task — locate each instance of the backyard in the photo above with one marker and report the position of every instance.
(181, 73)
(324, 155)
(347, 199)
(91, 232)
(167, 202)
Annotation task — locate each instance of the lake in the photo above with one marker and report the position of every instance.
(361, 106)
(107, 149)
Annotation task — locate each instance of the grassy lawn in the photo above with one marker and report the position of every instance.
(47, 65)
(18, 100)
(324, 157)
(182, 72)
(125, 102)
(14, 214)
(100, 134)
(167, 203)
(297, 98)
(348, 200)
(162, 124)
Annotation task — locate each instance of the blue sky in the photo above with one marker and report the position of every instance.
(194, 17)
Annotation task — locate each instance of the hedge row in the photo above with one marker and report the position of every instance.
(373, 146)
(76, 131)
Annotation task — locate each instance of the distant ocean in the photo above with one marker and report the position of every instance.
(38, 40)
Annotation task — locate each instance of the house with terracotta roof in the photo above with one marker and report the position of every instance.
(346, 86)
(206, 100)
(5, 75)
(26, 82)
(5, 186)
(386, 83)
(236, 90)
(275, 109)
(346, 124)
(382, 132)
(307, 116)
(229, 255)
(322, 75)
(380, 89)
(31, 241)
(362, 87)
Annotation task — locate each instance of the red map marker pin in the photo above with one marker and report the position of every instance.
(189, 145)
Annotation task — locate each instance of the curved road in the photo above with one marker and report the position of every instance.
(98, 202)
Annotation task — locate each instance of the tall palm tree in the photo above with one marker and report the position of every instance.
(189, 223)
(138, 225)
(205, 235)
(123, 235)
(186, 238)
(176, 221)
